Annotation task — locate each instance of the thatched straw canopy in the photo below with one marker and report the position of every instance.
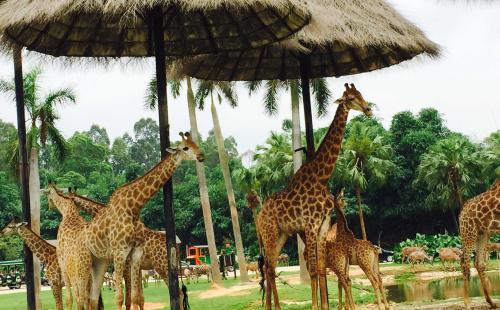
(117, 28)
(346, 37)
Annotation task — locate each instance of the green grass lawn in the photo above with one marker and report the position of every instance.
(295, 297)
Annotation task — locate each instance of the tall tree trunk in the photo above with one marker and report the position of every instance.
(360, 210)
(297, 162)
(230, 193)
(202, 180)
(34, 186)
(458, 198)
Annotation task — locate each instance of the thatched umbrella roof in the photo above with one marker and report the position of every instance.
(118, 28)
(347, 37)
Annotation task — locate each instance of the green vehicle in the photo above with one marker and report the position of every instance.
(10, 273)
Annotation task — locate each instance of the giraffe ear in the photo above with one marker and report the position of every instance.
(171, 150)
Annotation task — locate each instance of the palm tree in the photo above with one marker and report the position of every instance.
(42, 116)
(224, 90)
(248, 183)
(322, 95)
(365, 158)
(450, 171)
(151, 102)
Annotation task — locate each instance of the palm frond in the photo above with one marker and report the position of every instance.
(271, 97)
(252, 86)
(13, 157)
(8, 88)
(58, 142)
(151, 96)
(322, 95)
(227, 89)
(204, 89)
(175, 87)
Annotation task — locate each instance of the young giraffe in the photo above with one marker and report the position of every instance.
(45, 252)
(75, 260)
(155, 252)
(114, 233)
(304, 206)
(479, 219)
(346, 250)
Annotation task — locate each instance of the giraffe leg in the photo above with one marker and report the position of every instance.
(67, 284)
(467, 245)
(98, 269)
(480, 264)
(119, 262)
(339, 306)
(128, 285)
(279, 245)
(312, 267)
(321, 254)
(135, 267)
(57, 292)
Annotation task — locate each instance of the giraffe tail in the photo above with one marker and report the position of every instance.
(261, 262)
(100, 304)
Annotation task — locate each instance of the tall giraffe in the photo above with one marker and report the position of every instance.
(115, 232)
(479, 219)
(75, 260)
(155, 253)
(346, 250)
(45, 251)
(304, 206)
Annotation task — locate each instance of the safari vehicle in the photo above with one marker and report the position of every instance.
(197, 255)
(11, 273)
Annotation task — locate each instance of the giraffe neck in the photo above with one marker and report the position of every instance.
(64, 205)
(41, 248)
(135, 194)
(89, 206)
(342, 228)
(326, 156)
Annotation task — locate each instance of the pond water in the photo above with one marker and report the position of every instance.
(451, 287)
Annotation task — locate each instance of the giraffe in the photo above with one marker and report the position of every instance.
(155, 253)
(115, 232)
(479, 218)
(44, 251)
(346, 250)
(304, 206)
(74, 258)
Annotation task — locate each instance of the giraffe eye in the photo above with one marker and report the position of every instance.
(185, 148)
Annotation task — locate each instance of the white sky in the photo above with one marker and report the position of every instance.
(463, 84)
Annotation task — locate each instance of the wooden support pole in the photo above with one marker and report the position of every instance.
(23, 173)
(161, 81)
(305, 63)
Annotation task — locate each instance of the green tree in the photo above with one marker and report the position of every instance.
(450, 171)
(365, 159)
(151, 102)
(99, 135)
(224, 90)
(42, 117)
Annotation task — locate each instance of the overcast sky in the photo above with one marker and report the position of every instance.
(463, 84)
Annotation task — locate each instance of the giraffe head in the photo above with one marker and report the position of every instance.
(187, 148)
(12, 227)
(352, 99)
(339, 200)
(57, 199)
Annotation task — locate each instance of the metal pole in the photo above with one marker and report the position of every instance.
(161, 81)
(305, 63)
(23, 172)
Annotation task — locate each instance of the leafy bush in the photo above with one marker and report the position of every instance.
(431, 244)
